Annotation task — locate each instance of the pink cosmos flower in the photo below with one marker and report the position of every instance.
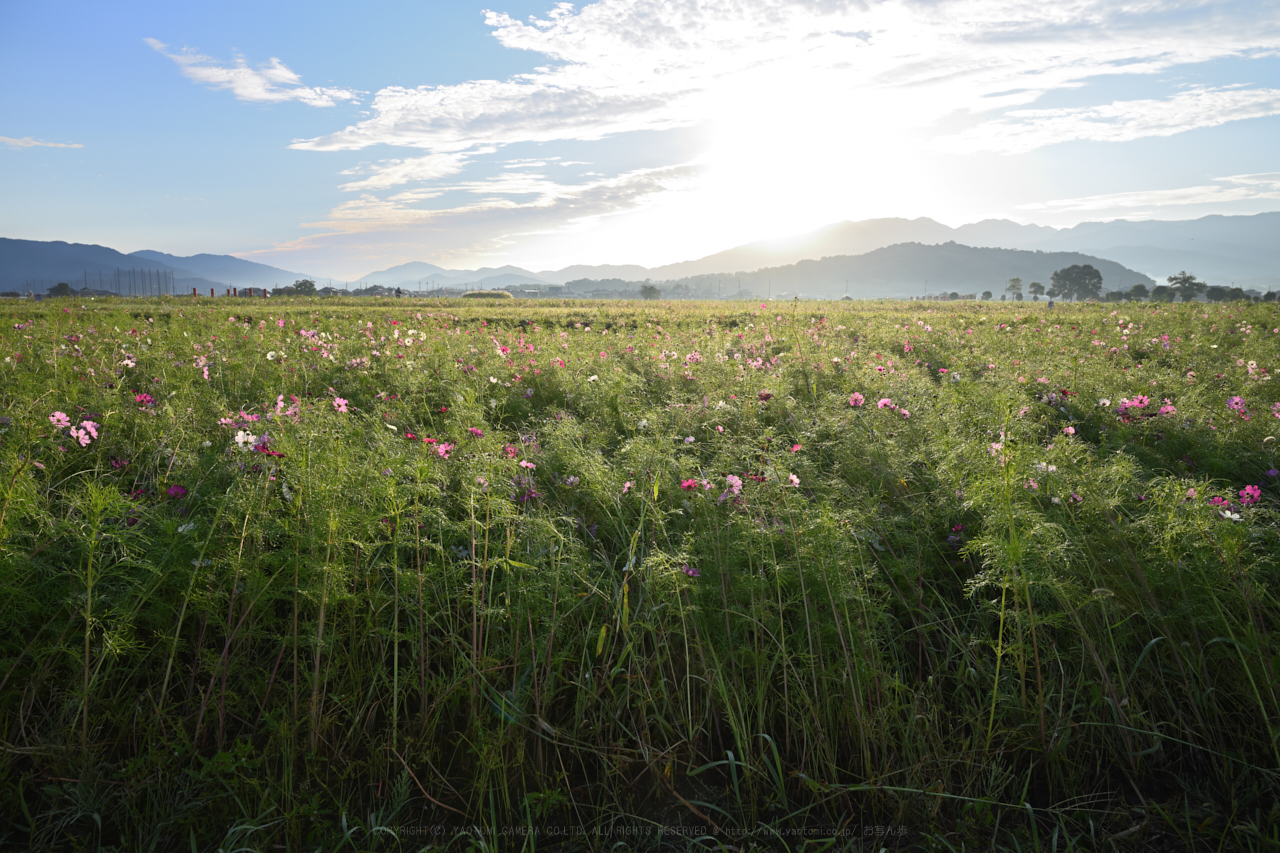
(91, 427)
(688, 485)
(477, 432)
(176, 491)
(60, 420)
(693, 573)
(795, 448)
(856, 399)
(1069, 430)
(81, 436)
(525, 463)
(1250, 495)
(626, 487)
(904, 413)
(444, 448)
(884, 403)
(795, 481)
(340, 404)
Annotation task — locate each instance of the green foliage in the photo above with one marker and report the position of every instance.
(1079, 281)
(327, 574)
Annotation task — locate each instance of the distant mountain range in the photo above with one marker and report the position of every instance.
(1244, 250)
(37, 265)
(911, 269)
(1222, 250)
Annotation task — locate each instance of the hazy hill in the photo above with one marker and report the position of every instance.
(227, 269)
(913, 269)
(1218, 249)
(623, 272)
(38, 265)
(419, 274)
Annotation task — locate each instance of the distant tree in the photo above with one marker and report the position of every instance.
(11, 294)
(1080, 281)
(650, 291)
(953, 295)
(1003, 297)
(61, 289)
(986, 294)
(1162, 293)
(305, 287)
(1015, 287)
(1269, 296)
(1215, 293)
(1139, 291)
(1036, 289)
(1186, 286)
(1236, 294)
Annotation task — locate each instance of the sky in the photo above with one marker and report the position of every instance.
(336, 140)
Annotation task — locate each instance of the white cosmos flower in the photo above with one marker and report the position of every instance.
(592, 378)
(271, 356)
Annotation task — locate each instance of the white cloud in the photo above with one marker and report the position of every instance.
(509, 210)
(1121, 121)
(1235, 188)
(28, 142)
(270, 82)
(626, 65)
(796, 107)
(390, 173)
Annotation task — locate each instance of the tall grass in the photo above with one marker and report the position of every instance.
(993, 613)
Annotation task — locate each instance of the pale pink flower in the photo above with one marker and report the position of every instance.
(340, 404)
(60, 420)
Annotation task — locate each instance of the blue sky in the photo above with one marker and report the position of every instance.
(336, 140)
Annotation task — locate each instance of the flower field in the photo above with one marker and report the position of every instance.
(375, 575)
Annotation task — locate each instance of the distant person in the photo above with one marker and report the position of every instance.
(397, 293)
(1050, 304)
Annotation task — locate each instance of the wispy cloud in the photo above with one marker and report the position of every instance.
(1121, 121)
(1235, 188)
(269, 82)
(504, 212)
(28, 142)
(794, 102)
